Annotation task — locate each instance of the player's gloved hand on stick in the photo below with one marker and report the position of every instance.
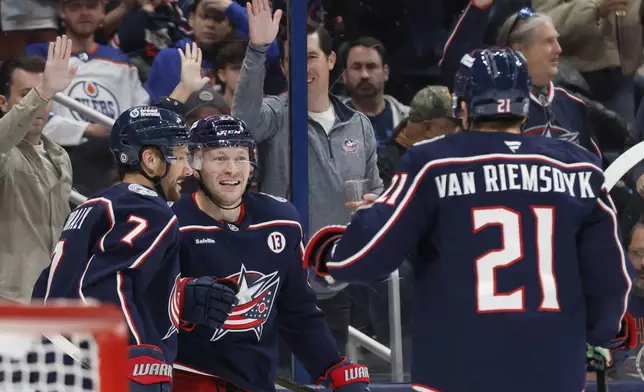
(206, 301)
(346, 376)
(319, 246)
(615, 352)
(144, 377)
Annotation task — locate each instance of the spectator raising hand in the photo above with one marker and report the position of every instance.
(35, 172)
(58, 75)
(191, 68)
(262, 23)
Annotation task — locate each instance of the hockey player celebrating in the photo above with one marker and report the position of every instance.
(255, 240)
(121, 247)
(543, 262)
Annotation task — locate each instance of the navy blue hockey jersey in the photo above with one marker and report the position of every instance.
(519, 261)
(121, 247)
(557, 114)
(263, 253)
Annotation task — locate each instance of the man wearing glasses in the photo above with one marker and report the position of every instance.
(553, 111)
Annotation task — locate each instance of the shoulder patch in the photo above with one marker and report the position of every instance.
(280, 199)
(141, 190)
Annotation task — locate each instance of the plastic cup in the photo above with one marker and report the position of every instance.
(353, 192)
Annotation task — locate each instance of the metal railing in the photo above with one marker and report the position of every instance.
(356, 338)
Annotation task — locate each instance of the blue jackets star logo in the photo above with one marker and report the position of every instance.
(256, 296)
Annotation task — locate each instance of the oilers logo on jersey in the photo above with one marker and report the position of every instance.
(257, 292)
(96, 97)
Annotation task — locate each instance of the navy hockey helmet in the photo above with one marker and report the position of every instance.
(144, 126)
(494, 83)
(222, 131)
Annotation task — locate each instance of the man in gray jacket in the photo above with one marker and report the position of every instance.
(342, 144)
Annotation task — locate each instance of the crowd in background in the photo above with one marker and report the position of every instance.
(379, 80)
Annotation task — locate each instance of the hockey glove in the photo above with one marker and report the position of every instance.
(147, 370)
(616, 352)
(206, 301)
(318, 248)
(346, 376)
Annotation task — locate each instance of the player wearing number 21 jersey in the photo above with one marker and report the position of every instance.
(519, 259)
(121, 247)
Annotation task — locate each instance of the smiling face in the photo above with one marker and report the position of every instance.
(542, 54)
(318, 66)
(179, 169)
(225, 172)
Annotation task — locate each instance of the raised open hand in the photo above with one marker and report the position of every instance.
(191, 68)
(58, 75)
(262, 23)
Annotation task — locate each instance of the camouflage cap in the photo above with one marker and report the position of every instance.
(430, 103)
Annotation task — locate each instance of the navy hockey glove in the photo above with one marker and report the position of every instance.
(616, 352)
(346, 376)
(206, 301)
(147, 370)
(318, 248)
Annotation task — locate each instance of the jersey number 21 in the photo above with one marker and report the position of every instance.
(487, 299)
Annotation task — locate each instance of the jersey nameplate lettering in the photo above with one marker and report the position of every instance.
(516, 177)
(77, 217)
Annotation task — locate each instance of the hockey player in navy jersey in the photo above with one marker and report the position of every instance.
(554, 112)
(121, 247)
(254, 239)
(517, 246)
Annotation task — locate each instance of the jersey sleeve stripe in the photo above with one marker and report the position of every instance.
(124, 307)
(439, 162)
(145, 254)
(450, 39)
(198, 228)
(80, 282)
(274, 223)
(570, 95)
(622, 258)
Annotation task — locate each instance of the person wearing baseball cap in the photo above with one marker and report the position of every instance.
(430, 116)
(203, 103)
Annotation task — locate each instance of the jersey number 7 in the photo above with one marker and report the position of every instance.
(487, 299)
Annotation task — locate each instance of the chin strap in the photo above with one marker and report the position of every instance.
(206, 192)
(156, 180)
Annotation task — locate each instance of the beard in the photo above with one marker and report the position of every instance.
(170, 190)
(82, 30)
(365, 89)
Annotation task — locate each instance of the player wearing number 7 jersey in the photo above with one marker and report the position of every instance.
(121, 247)
(516, 240)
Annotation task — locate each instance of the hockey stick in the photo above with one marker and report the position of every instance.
(291, 386)
(622, 165)
(602, 381)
